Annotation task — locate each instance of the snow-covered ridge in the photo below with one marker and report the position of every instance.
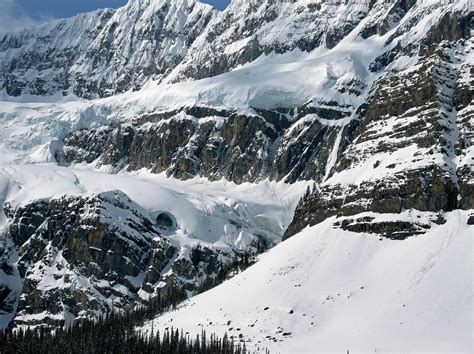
(103, 52)
(178, 40)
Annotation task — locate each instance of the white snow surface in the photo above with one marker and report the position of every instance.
(326, 289)
(217, 213)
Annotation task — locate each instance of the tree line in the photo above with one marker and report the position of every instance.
(112, 335)
(115, 331)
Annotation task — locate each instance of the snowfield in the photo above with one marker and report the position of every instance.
(221, 213)
(326, 289)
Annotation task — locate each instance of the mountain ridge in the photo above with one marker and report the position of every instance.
(101, 53)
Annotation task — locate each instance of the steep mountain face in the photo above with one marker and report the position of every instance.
(36, 61)
(211, 143)
(112, 51)
(248, 29)
(410, 151)
(370, 101)
(107, 52)
(303, 132)
(75, 245)
(102, 53)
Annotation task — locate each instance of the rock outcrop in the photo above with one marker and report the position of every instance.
(411, 150)
(279, 145)
(82, 256)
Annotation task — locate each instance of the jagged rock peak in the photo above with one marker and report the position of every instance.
(106, 52)
(103, 52)
(248, 29)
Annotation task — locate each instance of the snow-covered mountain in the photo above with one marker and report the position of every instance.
(248, 29)
(245, 127)
(101, 53)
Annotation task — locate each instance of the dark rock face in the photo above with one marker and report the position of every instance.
(470, 220)
(452, 27)
(388, 18)
(34, 50)
(463, 98)
(80, 241)
(187, 147)
(80, 256)
(423, 190)
(26, 220)
(110, 144)
(216, 144)
(395, 230)
(466, 187)
(308, 140)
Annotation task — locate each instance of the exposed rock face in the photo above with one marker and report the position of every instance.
(393, 226)
(470, 220)
(26, 220)
(463, 101)
(101, 53)
(409, 149)
(215, 144)
(110, 144)
(246, 30)
(424, 190)
(33, 51)
(80, 256)
(386, 20)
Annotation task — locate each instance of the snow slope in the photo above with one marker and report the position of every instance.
(331, 290)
